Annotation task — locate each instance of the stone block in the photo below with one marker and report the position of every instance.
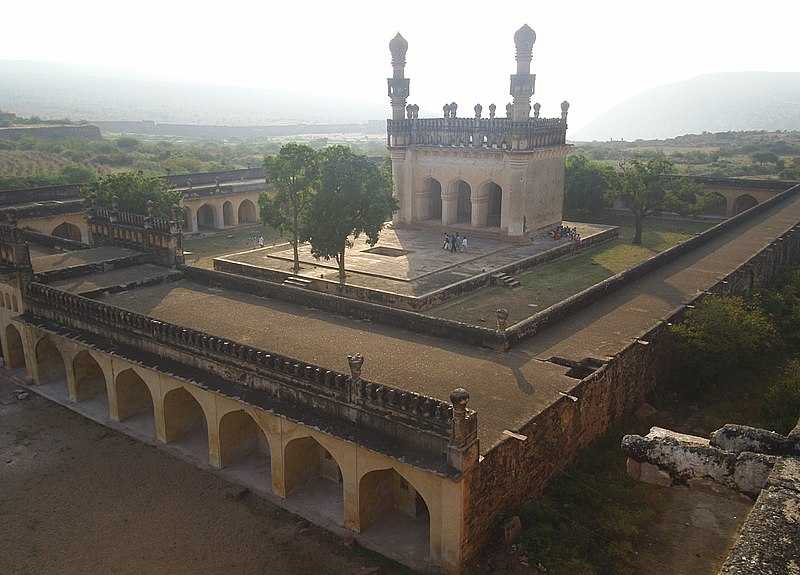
(653, 475)
(634, 468)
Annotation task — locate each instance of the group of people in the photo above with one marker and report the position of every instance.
(454, 242)
(563, 231)
(257, 240)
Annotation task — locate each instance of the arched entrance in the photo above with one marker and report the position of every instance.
(205, 217)
(14, 352)
(247, 212)
(463, 202)
(227, 214)
(185, 423)
(390, 510)
(494, 204)
(67, 231)
(743, 203)
(50, 367)
(313, 478)
(715, 204)
(434, 190)
(134, 402)
(244, 448)
(90, 382)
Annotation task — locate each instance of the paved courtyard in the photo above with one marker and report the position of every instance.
(409, 261)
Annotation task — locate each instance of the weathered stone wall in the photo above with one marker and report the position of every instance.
(513, 471)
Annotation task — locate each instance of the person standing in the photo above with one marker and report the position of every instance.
(464, 244)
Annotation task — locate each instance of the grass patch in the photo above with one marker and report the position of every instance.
(554, 281)
(589, 519)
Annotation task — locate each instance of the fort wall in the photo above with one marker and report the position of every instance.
(513, 471)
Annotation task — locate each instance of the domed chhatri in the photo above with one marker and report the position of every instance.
(459, 396)
(525, 37)
(398, 46)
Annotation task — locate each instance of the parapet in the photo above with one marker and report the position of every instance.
(159, 236)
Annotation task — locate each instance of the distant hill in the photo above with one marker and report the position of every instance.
(708, 103)
(53, 90)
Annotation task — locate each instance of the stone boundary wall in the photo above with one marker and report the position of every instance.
(211, 178)
(410, 320)
(92, 268)
(513, 471)
(54, 242)
(403, 417)
(531, 325)
(40, 194)
(66, 132)
(428, 300)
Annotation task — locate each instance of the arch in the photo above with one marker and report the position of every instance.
(67, 231)
(390, 509)
(244, 447)
(135, 401)
(463, 202)
(715, 204)
(313, 476)
(49, 363)
(247, 212)
(494, 204)
(185, 422)
(227, 214)
(434, 192)
(206, 216)
(744, 203)
(90, 380)
(15, 352)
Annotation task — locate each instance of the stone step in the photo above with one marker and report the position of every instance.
(297, 281)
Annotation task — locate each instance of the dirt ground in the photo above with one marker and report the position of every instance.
(77, 498)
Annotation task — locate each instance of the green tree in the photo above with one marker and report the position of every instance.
(293, 173)
(762, 158)
(722, 336)
(133, 191)
(587, 184)
(649, 186)
(353, 197)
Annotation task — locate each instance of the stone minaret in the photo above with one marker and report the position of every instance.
(522, 83)
(398, 83)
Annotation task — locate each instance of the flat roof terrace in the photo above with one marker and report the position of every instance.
(506, 388)
(408, 261)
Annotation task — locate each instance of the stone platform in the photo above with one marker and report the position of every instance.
(408, 267)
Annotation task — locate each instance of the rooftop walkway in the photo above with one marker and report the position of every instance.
(506, 389)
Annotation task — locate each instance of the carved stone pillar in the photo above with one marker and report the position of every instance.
(480, 211)
(512, 217)
(400, 186)
(462, 451)
(449, 208)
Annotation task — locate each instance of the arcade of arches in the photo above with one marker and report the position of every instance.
(219, 213)
(461, 204)
(394, 506)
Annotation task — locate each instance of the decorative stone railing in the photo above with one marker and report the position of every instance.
(159, 236)
(349, 396)
(492, 133)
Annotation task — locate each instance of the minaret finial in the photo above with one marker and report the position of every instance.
(398, 83)
(522, 83)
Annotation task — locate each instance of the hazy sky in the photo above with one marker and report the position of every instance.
(592, 53)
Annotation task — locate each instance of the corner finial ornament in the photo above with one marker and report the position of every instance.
(524, 39)
(356, 362)
(398, 46)
(478, 110)
(459, 397)
(492, 110)
(509, 110)
(536, 107)
(564, 110)
(453, 109)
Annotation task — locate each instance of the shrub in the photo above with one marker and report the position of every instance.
(782, 400)
(720, 337)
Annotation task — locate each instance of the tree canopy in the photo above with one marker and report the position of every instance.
(293, 174)
(649, 186)
(587, 184)
(132, 191)
(353, 197)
